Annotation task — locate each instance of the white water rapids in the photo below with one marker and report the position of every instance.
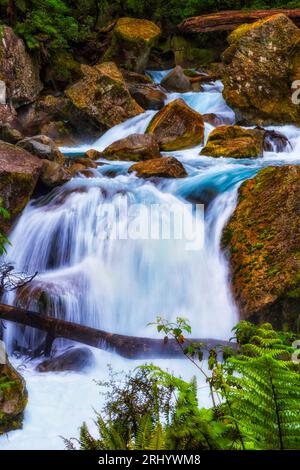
(122, 285)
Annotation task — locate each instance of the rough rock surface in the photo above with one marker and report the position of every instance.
(74, 359)
(234, 142)
(102, 96)
(131, 44)
(165, 167)
(13, 398)
(53, 174)
(263, 241)
(135, 147)
(17, 69)
(19, 173)
(147, 96)
(262, 62)
(177, 126)
(42, 147)
(176, 81)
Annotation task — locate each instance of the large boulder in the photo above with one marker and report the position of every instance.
(166, 167)
(17, 69)
(13, 398)
(263, 242)
(148, 96)
(262, 62)
(176, 81)
(43, 147)
(177, 126)
(131, 44)
(74, 359)
(102, 96)
(135, 147)
(53, 174)
(234, 142)
(19, 173)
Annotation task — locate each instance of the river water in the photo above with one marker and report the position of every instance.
(122, 285)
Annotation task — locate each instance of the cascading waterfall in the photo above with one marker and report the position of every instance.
(89, 277)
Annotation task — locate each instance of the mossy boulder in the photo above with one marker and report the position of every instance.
(132, 40)
(187, 52)
(166, 167)
(13, 398)
(176, 126)
(19, 173)
(263, 243)
(135, 147)
(17, 69)
(102, 96)
(262, 62)
(234, 142)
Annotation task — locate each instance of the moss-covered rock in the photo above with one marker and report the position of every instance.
(261, 65)
(131, 44)
(234, 142)
(187, 53)
(135, 147)
(102, 96)
(263, 242)
(19, 173)
(166, 167)
(13, 398)
(177, 126)
(17, 69)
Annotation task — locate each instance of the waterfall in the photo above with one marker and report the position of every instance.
(87, 276)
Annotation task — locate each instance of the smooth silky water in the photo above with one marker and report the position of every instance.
(122, 285)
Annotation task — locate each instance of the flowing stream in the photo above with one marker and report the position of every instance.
(122, 285)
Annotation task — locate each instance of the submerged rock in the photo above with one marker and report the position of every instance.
(13, 398)
(17, 69)
(177, 126)
(165, 167)
(75, 359)
(19, 173)
(262, 63)
(275, 141)
(234, 142)
(176, 81)
(102, 97)
(135, 147)
(43, 147)
(132, 40)
(263, 241)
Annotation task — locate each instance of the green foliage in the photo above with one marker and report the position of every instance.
(257, 388)
(4, 214)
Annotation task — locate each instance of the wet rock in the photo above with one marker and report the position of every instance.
(102, 97)
(9, 134)
(132, 40)
(53, 174)
(76, 168)
(17, 69)
(135, 147)
(87, 162)
(234, 142)
(131, 77)
(215, 120)
(19, 173)
(165, 167)
(262, 62)
(75, 359)
(13, 398)
(148, 96)
(177, 126)
(93, 154)
(176, 81)
(43, 147)
(262, 239)
(275, 141)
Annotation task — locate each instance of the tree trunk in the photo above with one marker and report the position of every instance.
(126, 346)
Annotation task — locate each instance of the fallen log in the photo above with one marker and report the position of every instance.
(126, 346)
(230, 20)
